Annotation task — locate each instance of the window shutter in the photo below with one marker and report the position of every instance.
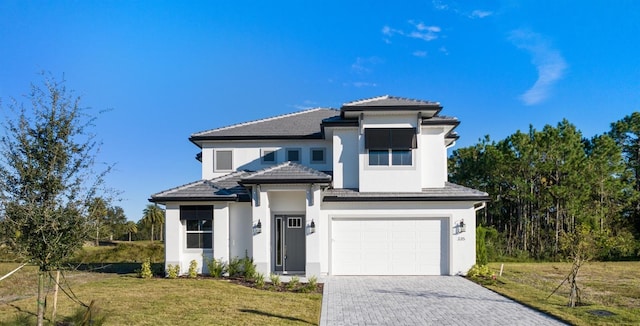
(390, 138)
(377, 138)
(403, 138)
(196, 212)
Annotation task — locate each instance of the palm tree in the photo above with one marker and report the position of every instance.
(152, 215)
(130, 227)
(97, 214)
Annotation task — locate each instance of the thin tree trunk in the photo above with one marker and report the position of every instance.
(41, 297)
(152, 233)
(161, 232)
(55, 298)
(129, 236)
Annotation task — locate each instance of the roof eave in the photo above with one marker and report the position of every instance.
(284, 181)
(474, 199)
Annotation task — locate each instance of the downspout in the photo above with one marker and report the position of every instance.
(483, 205)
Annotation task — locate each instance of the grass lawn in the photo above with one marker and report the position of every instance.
(127, 300)
(606, 286)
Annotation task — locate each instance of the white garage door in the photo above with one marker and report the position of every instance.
(389, 246)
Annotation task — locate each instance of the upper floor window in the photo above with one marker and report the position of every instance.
(293, 155)
(318, 155)
(199, 226)
(268, 156)
(390, 146)
(223, 160)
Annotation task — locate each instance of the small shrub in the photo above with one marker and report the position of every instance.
(193, 269)
(248, 268)
(259, 280)
(173, 271)
(312, 284)
(235, 267)
(481, 274)
(275, 280)
(293, 283)
(217, 268)
(145, 271)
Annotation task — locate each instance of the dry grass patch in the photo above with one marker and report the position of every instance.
(126, 300)
(606, 286)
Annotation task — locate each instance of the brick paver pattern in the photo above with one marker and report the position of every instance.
(420, 300)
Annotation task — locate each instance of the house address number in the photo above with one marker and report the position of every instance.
(461, 239)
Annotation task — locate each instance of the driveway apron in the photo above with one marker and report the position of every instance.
(420, 300)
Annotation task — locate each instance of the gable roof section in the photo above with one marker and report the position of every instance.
(225, 188)
(450, 192)
(287, 172)
(297, 125)
(389, 103)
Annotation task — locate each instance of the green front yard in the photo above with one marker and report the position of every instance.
(127, 300)
(610, 290)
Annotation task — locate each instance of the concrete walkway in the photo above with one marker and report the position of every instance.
(420, 300)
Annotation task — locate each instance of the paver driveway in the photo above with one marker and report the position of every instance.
(420, 300)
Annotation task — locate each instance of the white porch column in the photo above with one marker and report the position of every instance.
(173, 241)
(261, 241)
(221, 231)
(313, 265)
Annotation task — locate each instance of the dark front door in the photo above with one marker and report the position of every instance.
(289, 243)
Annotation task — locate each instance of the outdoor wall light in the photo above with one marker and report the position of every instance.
(257, 228)
(461, 226)
(312, 227)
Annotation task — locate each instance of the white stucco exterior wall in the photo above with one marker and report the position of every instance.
(221, 231)
(240, 230)
(434, 157)
(247, 155)
(314, 250)
(345, 158)
(176, 252)
(389, 178)
(261, 241)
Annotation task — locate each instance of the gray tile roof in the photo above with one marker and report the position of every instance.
(302, 124)
(287, 172)
(450, 192)
(388, 100)
(225, 188)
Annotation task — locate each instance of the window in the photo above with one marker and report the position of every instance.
(294, 222)
(199, 226)
(268, 156)
(317, 155)
(223, 160)
(390, 145)
(293, 155)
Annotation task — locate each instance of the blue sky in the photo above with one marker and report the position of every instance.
(169, 69)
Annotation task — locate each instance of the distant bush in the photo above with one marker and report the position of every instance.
(173, 271)
(145, 271)
(193, 269)
(123, 252)
(217, 268)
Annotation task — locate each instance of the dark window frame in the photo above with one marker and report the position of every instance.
(288, 159)
(319, 149)
(198, 226)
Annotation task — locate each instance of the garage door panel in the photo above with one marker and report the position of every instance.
(389, 247)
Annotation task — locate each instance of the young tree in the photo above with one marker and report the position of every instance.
(47, 177)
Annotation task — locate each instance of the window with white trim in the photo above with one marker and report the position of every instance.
(268, 156)
(293, 155)
(223, 160)
(318, 155)
(199, 226)
(390, 146)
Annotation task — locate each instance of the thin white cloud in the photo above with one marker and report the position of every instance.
(549, 63)
(365, 65)
(420, 54)
(443, 50)
(360, 84)
(420, 31)
(455, 8)
(480, 13)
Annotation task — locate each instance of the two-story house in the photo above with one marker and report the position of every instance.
(358, 191)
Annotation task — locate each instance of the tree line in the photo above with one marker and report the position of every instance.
(547, 185)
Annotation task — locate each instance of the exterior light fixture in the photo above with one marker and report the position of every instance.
(461, 226)
(312, 227)
(257, 229)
